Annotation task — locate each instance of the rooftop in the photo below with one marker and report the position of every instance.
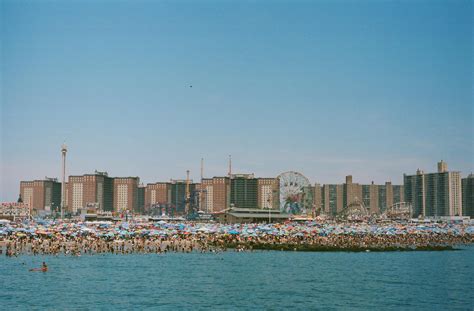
(259, 215)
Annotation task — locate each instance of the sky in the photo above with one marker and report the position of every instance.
(326, 88)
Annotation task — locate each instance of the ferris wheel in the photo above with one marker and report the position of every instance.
(296, 195)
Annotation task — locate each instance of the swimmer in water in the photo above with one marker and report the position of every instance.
(43, 268)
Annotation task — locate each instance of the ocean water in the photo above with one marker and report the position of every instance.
(248, 281)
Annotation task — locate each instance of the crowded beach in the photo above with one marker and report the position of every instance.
(75, 238)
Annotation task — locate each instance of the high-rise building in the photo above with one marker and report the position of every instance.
(434, 194)
(370, 198)
(352, 192)
(318, 198)
(207, 188)
(157, 193)
(220, 193)
(90, 190)
(141, 199)
(41, 194)
(126, 193)
(468, 196)
(267, 193)
(383, 197)
(398, 194)
(244, 191)
(442, 167)
(415, 192)
(332, 199)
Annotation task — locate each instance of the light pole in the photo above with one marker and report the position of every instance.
(269, 215)
(268, 207)
(63, 184)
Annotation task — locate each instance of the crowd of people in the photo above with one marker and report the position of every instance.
(87, 238)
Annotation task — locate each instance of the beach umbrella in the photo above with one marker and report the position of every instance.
(153, 232)
(203, 230)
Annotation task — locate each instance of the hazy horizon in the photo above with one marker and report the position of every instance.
(326, 88)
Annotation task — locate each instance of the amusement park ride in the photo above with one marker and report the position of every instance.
(296, 195)
(357, 210)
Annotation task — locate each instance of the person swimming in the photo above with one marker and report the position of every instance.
(43, 268)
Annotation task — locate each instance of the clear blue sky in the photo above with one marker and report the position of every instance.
(329, 88)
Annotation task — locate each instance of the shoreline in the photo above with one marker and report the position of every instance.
(269, 248)
(320, 248)
(219, 247)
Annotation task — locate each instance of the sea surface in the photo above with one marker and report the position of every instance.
(270, 280)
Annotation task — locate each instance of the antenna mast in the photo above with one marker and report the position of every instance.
(201, 190)
(202, 168)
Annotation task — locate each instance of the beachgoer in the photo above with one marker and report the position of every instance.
(43, 268)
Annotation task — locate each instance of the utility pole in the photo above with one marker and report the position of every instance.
(63, 183)
(269, 213)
